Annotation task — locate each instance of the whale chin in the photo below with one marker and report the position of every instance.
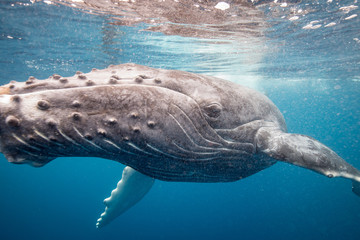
(31, 163)
(34, 162)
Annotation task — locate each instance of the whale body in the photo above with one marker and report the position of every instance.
(162, 124)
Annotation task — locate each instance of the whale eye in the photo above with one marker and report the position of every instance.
(213, 110)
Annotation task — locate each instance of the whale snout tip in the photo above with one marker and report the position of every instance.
(19, 159)
(15, 160)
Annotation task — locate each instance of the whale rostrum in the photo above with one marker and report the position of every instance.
(162, 124)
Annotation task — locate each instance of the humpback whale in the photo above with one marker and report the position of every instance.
(162, 124)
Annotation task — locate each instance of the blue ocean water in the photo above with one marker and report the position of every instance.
(310, 71)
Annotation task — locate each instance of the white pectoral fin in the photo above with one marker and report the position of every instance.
(130, 189)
